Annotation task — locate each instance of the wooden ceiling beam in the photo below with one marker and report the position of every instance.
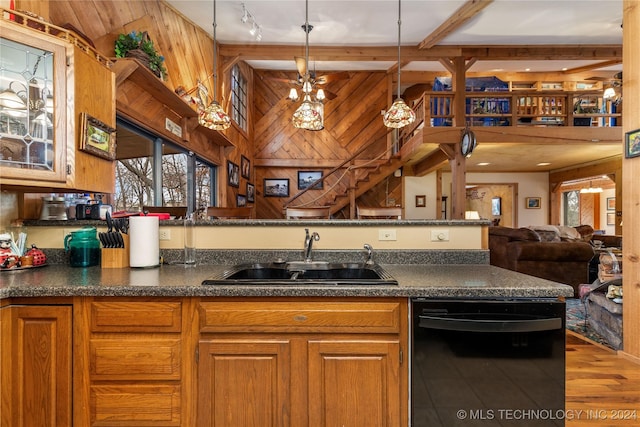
(544, 52)
(465, 12)
(595, 66)
(412, 53)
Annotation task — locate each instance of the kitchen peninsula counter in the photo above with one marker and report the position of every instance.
(414, 280)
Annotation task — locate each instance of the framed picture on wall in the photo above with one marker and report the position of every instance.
(632, 143)
(421, 201)
(245, 167)
(532, 203)
(241, 200)
(496, 206)
(233, 174)
(276, 187)
(306, 178)
(611, 218)
(611, 203)
(251, 193)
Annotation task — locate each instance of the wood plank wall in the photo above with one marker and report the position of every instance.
(188, 52)
(352, 120)
(630, 173)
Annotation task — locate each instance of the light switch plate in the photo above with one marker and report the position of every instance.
(387, 235)
(164, 234)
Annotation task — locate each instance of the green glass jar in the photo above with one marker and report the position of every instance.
(83, 247)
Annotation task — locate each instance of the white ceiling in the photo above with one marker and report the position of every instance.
(374, 23)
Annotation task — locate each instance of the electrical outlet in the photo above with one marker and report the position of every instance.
(439, 235)
(164, 234)
(387, 235)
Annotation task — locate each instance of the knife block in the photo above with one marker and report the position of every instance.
(116, 257)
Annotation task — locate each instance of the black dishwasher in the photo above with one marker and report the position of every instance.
(488, 362)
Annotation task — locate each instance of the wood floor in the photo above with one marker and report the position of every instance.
(602, 388)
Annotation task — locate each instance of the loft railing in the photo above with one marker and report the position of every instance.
(519, 108)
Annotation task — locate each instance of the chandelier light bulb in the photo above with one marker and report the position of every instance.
(293, 94)
(320, 96)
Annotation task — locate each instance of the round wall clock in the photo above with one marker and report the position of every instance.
(467, 142)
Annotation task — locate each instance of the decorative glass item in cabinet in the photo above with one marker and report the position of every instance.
(26, 107)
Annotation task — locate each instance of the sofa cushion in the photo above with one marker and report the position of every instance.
(552, 252)
(569, 234)
(514, 234)
(547, 233)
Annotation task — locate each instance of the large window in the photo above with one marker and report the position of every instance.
(571, 208)
(154, 172)
(239, 97)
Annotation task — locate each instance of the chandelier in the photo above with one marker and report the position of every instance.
(310, 113)
(399, 114)
(214, 117)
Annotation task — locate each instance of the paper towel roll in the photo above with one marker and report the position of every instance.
(144, 241)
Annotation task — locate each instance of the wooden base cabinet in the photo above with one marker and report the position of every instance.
(295, 363)
(36, 364)
(136, 363)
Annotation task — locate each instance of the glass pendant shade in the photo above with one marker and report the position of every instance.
(214, 117)
(293, 94)
(399, 115)
(309, 115)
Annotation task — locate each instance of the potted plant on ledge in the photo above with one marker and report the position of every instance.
(138, 45)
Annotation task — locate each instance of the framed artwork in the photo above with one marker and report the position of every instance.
(241, 200)
(496, 206)
(611, 203)
(245, 167)
(532, 203)
(251, 193)
(276, 187)
(233, 174)
(611, 218)
(97, 138)
(306, 178)
(421, 201)
(632, 144)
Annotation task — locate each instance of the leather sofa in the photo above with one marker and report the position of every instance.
(522, 250)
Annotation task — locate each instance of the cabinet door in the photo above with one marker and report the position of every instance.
(33, 100)
(36, 366)
(244, 382)
(354, 383)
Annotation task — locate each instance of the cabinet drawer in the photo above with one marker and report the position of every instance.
(135, 405)
(136, 316)
(135, 358)
(320, 316)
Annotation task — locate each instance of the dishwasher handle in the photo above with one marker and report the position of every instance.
(490, 325)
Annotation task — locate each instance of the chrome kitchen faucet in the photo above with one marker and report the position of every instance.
(308, 244)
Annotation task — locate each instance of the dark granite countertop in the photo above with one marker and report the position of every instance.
(414, 280)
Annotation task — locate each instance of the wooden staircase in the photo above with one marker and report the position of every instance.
(353, 177)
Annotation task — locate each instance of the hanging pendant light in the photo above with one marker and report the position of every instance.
(214, 117)
(399, 115)
(310, 113)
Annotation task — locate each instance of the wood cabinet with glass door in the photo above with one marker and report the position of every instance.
(46, 82)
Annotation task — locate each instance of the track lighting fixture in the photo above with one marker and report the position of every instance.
(248, 18)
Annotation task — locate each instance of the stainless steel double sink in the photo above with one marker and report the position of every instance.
(301, 273)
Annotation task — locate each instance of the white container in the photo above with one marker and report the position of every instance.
(144, 241)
